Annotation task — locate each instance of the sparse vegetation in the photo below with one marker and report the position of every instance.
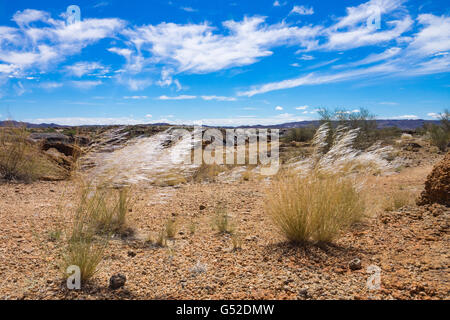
(106, 209)
(221, 221)
(18, 159)
(100, 212)
(440, 134)
(236, 239)
(85, 253)
(398, 199)
(300, 134)
(316, 207)
(170, 228)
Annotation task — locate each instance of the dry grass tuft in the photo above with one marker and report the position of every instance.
(100, 211)
(399, 199)
(221, 221)
(317, 207)
(21, 159)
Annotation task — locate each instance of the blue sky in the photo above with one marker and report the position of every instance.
(222, 62)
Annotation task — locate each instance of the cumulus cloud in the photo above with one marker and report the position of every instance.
(199, 48)
(41, 42)
(302, 10)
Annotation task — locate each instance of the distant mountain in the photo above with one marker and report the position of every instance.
(401, 124)
(29, 125)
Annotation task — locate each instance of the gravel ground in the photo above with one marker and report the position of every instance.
(410, 246)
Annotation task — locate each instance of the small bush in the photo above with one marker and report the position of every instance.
(316, 207)
(300, 134)
(439, 137)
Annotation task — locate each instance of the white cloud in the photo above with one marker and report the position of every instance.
(279, 4)
(135, 97)
(148, 116)
(434, 115)
(389, 103)
(407, 117)
(25, 17)
(51, 85)
(82, 68)
(188, 9)
(197, 48)
(302, 10)
(218, 98)
(306, 57)
(302, 107)
(278, 108)
(41, 42)
(434, 38)
(86, 84)
(374, 57)
(181, 97)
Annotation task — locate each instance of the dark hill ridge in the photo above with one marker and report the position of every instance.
(401, 124)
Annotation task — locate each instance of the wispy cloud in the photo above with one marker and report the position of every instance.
(181, 97)
(218, 98)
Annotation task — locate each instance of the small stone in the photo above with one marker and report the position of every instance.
(303, 292)
(202, 207)
(117, 281)
(355, 264)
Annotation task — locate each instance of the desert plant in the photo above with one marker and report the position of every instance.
(236, 239)
(439, 137)
(17, 155)
(221, 221)
(398, 199)
(360, 119)
(104, 209)
(84, 253)
(315, 207)
(170, 228)
(300, 134)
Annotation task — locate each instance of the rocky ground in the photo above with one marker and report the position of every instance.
(409, 245)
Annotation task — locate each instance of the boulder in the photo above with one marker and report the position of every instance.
(65, 148)
(437, 185)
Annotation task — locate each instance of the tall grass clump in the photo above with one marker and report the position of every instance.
(100, 213)
(315, 207)
(105, 209)
(17, 155)
(85, 253)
